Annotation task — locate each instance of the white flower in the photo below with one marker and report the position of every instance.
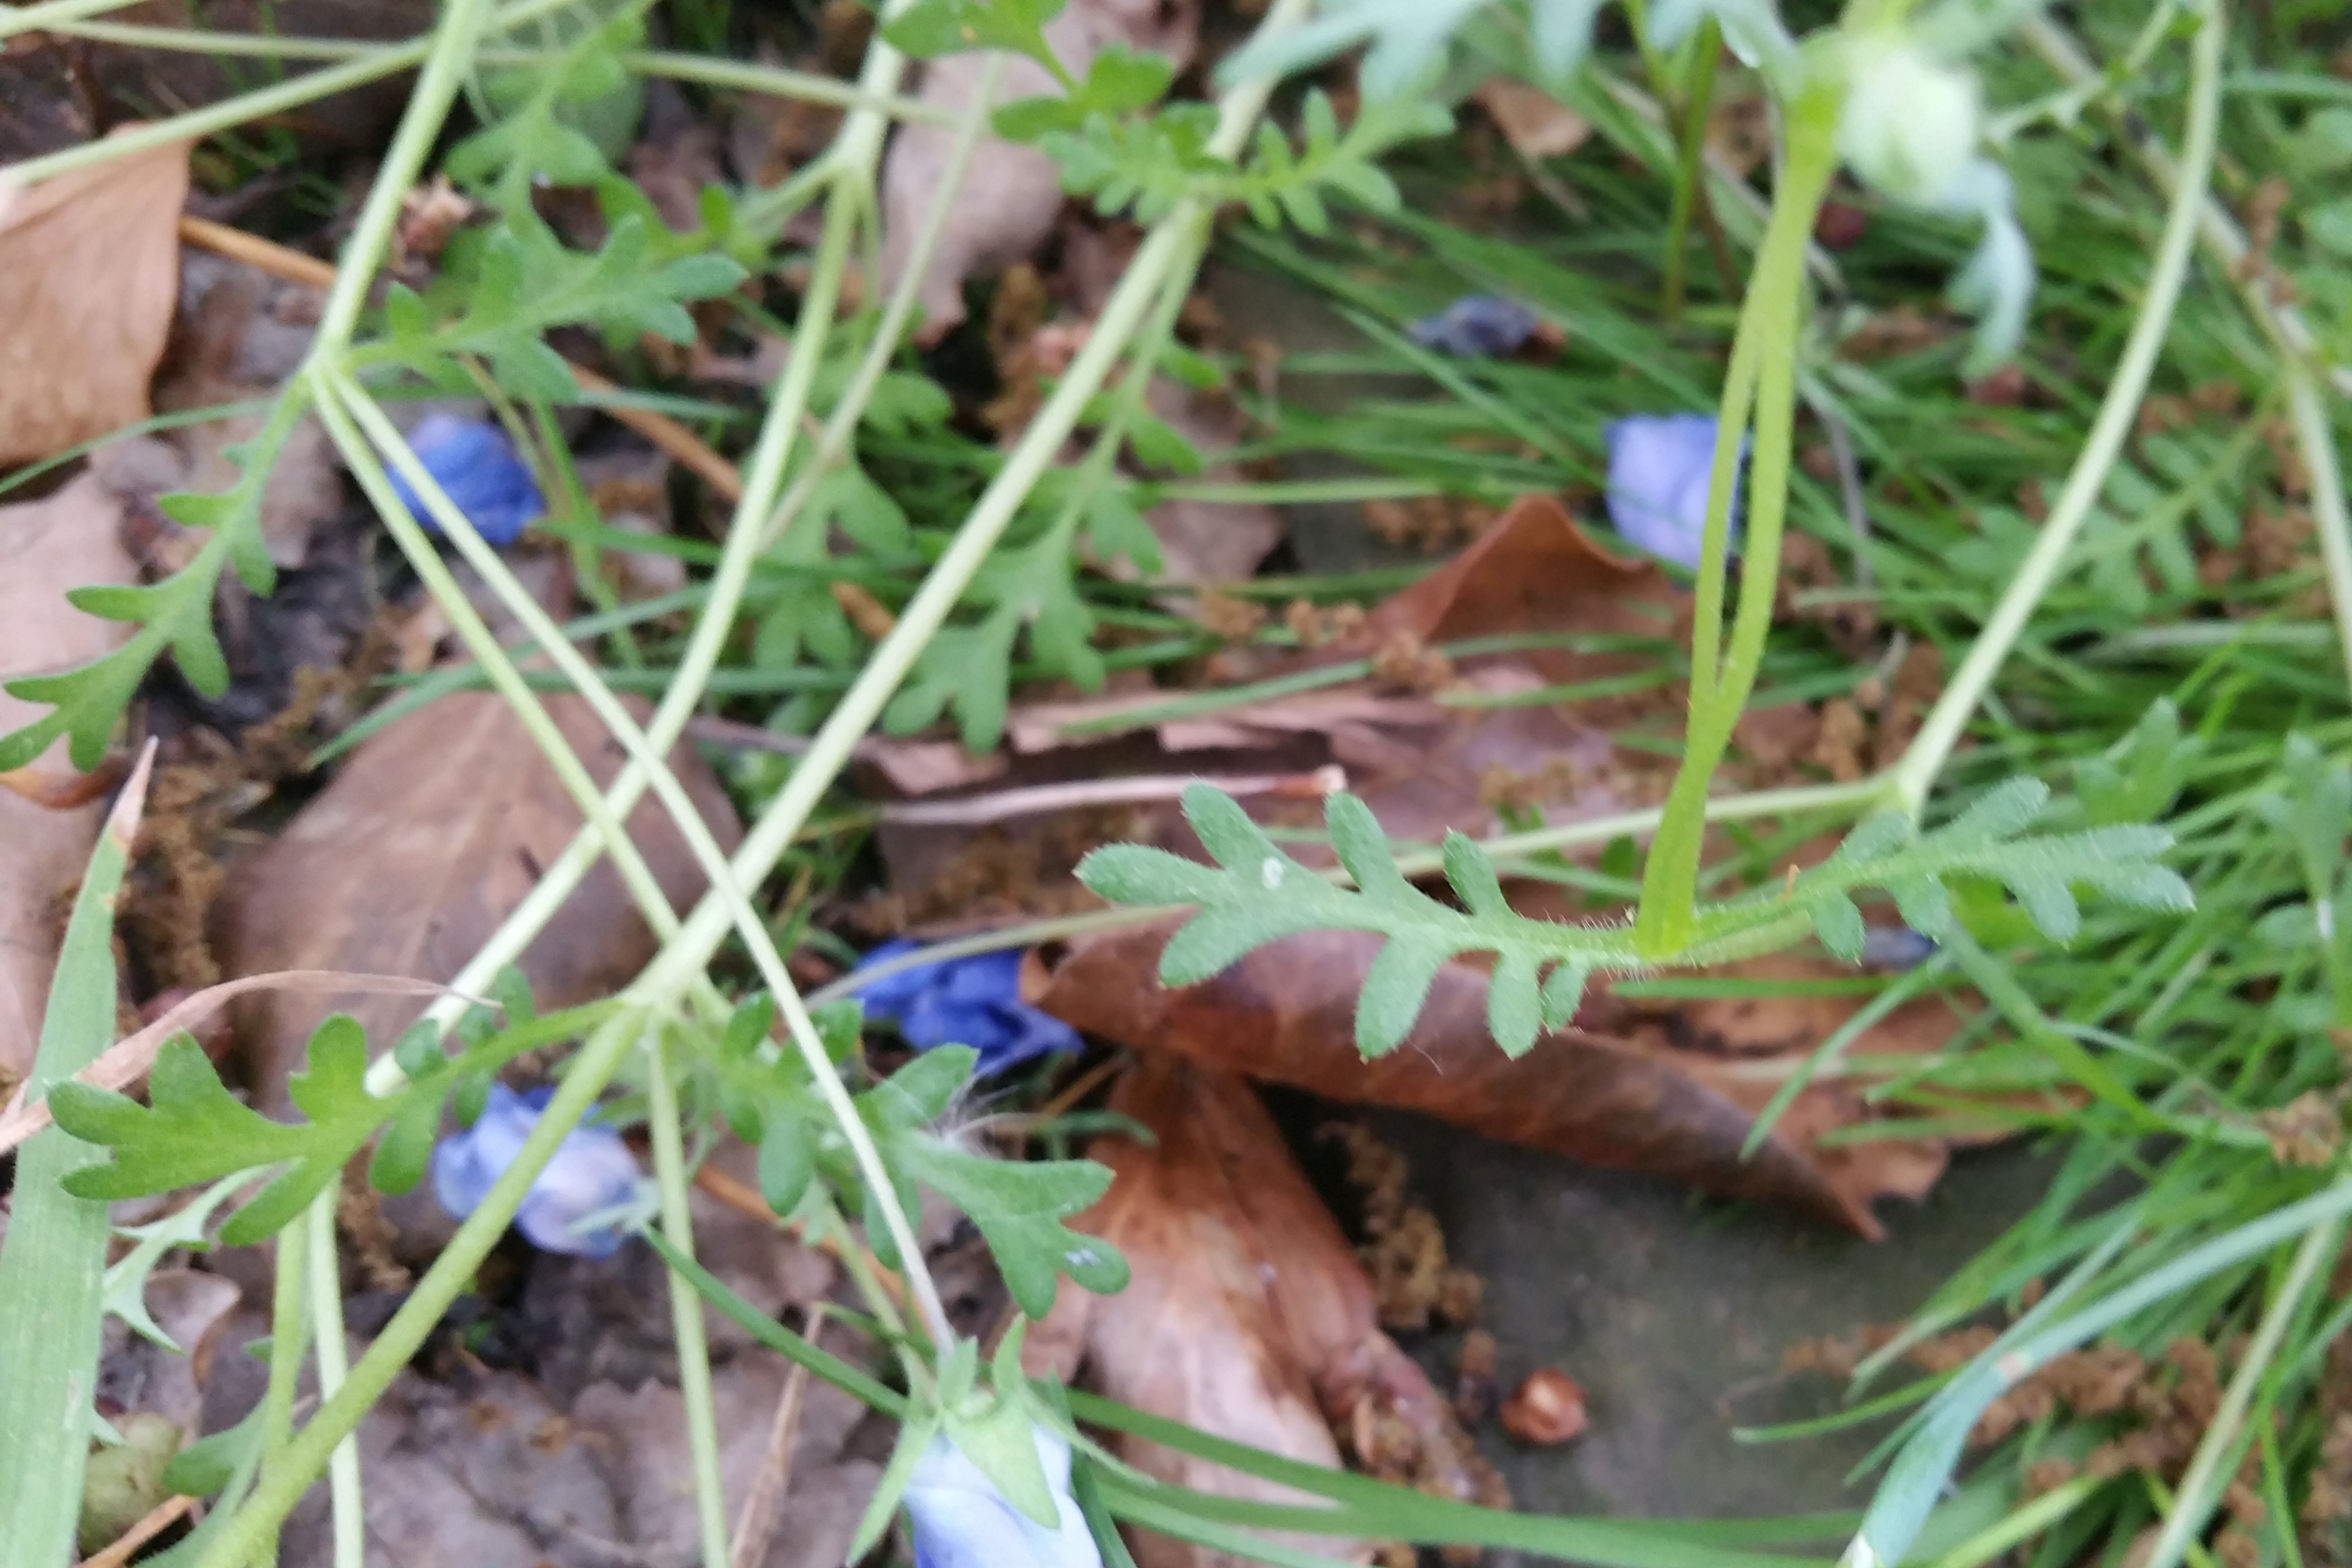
(961, 1520)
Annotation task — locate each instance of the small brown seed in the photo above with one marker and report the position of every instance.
(1548, 1409)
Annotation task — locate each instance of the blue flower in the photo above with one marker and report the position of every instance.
(1476, 326)
(593, 1174)
(473, 461)
(1895, 947)
(1659, 465)
(973, 1001)
(961, 1520)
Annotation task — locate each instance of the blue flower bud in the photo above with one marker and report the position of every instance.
(592, 1174)
(473, 461)
(1476, 326)
(961, 1520)
(974, 1001)
(1659, 468)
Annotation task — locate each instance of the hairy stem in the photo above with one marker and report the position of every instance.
(1763, 368)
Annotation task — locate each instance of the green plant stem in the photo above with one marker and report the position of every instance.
(275, 99)
(2308, 412)
(1763, 368)
(286, 1323)
(841, 428)
(1690, 187)
(1915, 774)
(774, 81)
(18, 20)
(685, 1303)
(451, 1275)
(334, 1365)
(344, 412)
(2201, 1484)
(853, 158)
(693, 1350)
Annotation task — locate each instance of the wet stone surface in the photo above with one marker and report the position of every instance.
(1673, 1312)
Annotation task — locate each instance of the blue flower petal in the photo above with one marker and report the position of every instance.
(592, 1171)
(886, 998)
(1660, 465)
(473, 461)
(973, 1001)
(1476, 326)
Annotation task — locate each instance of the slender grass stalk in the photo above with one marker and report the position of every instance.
(685, 1305)
(1690, 188)
(18, 20)
(2318, 445)
(1914, 775)
(2201, 1484)
(852, 160)
(53, 1259)
(334, 1364)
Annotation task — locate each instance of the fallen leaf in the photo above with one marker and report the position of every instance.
(1536, 571)
(46, 547)
(1204, 542)
(1666, 1088)
(1533, 122)
(431, 831)
(90, 264)
(1247, 1315)
(1007, 203)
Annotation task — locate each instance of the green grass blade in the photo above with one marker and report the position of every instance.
(53, 1268)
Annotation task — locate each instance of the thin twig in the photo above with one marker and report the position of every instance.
(157, 1519)
(763, 1508)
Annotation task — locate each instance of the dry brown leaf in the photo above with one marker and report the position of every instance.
(1005, 206)
(1668, 1088)
(1247, 1315)
(431, 833)
(1205, 543)
(46, 547)
(1533, 122)
(89, 266)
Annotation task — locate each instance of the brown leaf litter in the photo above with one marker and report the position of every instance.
(46, 547)
(431, 832)
(1666, 1088)
(1011, 195)
(90, 265)
(1249, 1315)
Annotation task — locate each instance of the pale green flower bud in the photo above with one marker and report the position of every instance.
(1911, 122)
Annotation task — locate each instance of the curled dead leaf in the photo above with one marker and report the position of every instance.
(48, 547)
(1247, 1314)
(1669, 1088)
(1005, 206)
(89, 266)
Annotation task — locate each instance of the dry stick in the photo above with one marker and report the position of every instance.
(667, 434)
(763, 1508)
(127, 1060)
(157, 1521)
